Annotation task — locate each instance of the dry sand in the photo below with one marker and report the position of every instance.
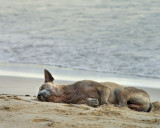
(26, 112)
(18, 111)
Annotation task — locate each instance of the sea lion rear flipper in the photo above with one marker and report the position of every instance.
(151, 108)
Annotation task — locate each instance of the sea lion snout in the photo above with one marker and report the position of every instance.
(44, 94)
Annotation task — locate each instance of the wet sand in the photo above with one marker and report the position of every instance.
(19, 108)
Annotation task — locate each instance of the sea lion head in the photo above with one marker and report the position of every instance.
(46, 90)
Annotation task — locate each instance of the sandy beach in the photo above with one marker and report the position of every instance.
(20, 108)
(104, 41)
(25, 111)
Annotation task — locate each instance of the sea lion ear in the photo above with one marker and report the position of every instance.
(48, 76)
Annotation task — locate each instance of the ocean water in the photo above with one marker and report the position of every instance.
(112, 36)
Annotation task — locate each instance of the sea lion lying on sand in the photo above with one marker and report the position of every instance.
(94, 94)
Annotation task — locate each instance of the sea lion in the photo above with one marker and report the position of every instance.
(85, 91)
(94, 94)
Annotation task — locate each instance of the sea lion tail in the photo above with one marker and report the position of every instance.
(151, 108)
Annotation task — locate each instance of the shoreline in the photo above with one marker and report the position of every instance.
(68, 74)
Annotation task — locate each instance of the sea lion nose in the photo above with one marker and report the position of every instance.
(43, 95)
(39, 96)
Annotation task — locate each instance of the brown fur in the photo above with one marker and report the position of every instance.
(105, 92)
(76, 93)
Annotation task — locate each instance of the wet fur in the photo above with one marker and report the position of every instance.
(105, 92)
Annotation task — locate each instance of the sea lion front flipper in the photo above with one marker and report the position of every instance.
(92, 102)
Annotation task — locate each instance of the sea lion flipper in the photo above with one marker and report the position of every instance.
(151, 108)
(92, 102)
(48, 76)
